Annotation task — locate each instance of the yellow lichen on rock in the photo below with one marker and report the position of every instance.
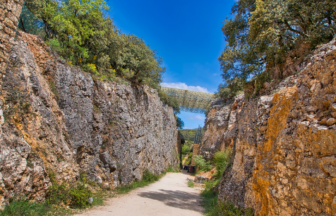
(284, 160)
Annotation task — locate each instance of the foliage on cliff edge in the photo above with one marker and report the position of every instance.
(81, 33)
(262, 33)
(84, 36)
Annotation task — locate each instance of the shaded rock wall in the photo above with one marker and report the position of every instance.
(59, 119)
(284, 143)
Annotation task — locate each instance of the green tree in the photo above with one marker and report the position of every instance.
(262, 33)
(280, 25)
(72, 22)
(133, 59)
(79, 31)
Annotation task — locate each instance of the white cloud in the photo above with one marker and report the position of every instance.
(180, 85)
(185, 128)
(196, 117)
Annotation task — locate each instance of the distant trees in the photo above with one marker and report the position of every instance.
(262, 32)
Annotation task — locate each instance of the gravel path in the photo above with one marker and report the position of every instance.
(169, 196)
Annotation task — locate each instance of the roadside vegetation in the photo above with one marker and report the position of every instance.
(210, 202)
(147, 179)
(69, 198)
(214, 208)
(187, 149)
(62, 199)
(263, 35)
(191, 184)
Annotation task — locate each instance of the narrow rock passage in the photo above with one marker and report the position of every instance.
(169, 196)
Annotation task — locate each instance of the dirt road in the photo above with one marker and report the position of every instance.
(170, 196)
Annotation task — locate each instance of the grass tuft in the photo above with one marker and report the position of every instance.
(27, 208)
(59, 198)
(214, 208)
(191, 184)
(147, 179)
(172, 170)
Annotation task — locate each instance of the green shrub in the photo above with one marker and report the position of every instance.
(221, 160)
(28, 208)
(171, 169)
(74, 195)
(185, 149)
(191, 184)
(147, 179)
(55, 45)
(202, 164)
(214, 208)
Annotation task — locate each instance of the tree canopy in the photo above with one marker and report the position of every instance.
(81, 33)
(262, 32)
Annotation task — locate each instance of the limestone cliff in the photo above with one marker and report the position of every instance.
(57, 118)
(284, 143)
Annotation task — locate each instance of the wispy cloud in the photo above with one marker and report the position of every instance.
(196, 117)
(180, 85)
(188, 128)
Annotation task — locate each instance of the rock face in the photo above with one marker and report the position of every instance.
(284, 143)
(10, 11)
(60, 120)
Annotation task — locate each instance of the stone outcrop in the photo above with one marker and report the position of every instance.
(284, 143)
(10, 11)
(59, 119)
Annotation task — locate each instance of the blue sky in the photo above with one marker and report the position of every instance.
(186, 34)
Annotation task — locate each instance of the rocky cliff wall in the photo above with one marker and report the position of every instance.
(10, 11)
(58, 119)
(284, 143)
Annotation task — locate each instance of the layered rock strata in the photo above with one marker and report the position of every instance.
(59, 119)
(284, 143)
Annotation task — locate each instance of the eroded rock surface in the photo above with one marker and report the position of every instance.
(60, 120)
(284, 143)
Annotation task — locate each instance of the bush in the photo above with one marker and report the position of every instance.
(171, 169)
(202, 164)
(221, 160)
(214, 208)
(147, 179)
(191, 184)
(25, 207)
(185, 149)
(74, 195)
(70, 194)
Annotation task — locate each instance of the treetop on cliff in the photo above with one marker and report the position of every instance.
(81, 33)
(262, 33)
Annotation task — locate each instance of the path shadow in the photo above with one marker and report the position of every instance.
(176, 199)
(185, 172)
